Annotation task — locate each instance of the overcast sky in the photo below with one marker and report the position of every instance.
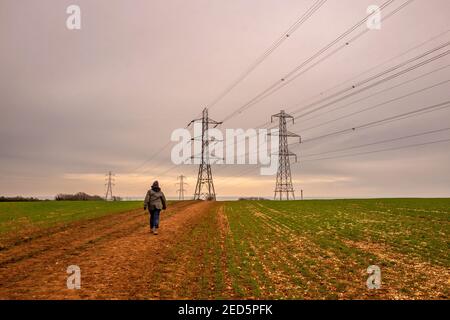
(78, 103)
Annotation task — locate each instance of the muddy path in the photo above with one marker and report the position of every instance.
(117, 255)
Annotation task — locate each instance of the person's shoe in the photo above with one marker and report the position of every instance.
(155, 232)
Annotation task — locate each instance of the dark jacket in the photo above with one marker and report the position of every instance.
(155, 199)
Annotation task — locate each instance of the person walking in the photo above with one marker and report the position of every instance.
(155, 201)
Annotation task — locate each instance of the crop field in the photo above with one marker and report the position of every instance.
(17, 216)
(314, 249)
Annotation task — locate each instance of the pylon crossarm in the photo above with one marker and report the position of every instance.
(195, 120)
(291, 134)
(210, 121)
(213, 140)
(209, 157)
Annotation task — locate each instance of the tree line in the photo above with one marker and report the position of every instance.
(17, 199)
(80, 196)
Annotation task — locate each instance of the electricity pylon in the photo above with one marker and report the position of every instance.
(204, 188)
(284, 180)
(181, 190)
(109, 183)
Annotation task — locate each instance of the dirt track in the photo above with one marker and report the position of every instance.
(118, 256)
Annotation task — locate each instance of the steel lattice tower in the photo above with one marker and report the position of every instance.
(284, 179)
(204, 188)
(181, 190)
(109, 184)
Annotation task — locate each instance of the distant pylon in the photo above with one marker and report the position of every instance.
(204, 188)
(181, 190)
(284, 180)
(109, 184)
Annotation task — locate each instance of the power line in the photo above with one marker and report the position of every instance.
(401, 116)
(240, 173)
(390, 78)
(331, 44)
(378, 142)
(247, 170)
(367, 71)
(152, 157)
(397, 10)
(380, 150)
(389, 119)
(392, 68)
(375, 67)
(294, 27)
(377, 93)
(378, 75)
(269, 51)
(441, 46)
(393, 76)
(272, 88)
(335, 51)
(398, 117)
(379, 122)
(376, 105)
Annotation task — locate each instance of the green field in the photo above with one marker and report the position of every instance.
(320, 249)
(15, 216)
(312, 249)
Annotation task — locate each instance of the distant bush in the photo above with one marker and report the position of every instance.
(80, 196)
(252, 198)
(17, 199)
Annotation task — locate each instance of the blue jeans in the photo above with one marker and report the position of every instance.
(154, 218)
